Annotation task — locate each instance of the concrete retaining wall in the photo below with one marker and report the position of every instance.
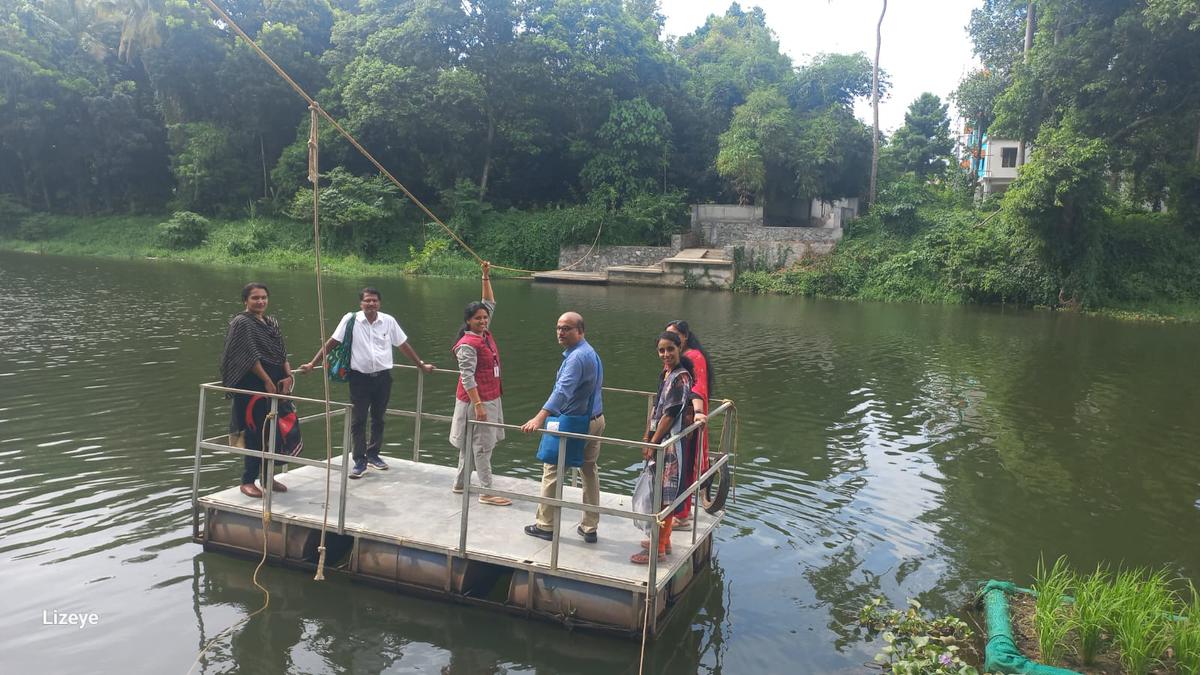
(697, 275)
(780, 253)
(729, 227)
(608, 256)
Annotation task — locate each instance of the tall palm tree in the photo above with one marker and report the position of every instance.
(139, 28)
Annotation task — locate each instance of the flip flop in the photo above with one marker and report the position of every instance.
(643, 558)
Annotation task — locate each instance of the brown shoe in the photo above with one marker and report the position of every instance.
(251, 490)
(495, 500)
(276, 486)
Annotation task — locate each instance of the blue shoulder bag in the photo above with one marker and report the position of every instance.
(576, 424)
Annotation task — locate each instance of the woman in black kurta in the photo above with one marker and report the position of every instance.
(254, 358)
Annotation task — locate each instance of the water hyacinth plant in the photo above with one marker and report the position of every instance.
(916, 645)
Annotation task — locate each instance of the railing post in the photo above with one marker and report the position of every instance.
(196, 467)
(346, 441)
(417, 423)
(268, 475)
(558, 490)
(468, 466)
(652, 551)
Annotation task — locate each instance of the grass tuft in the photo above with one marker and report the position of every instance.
(1052, 618)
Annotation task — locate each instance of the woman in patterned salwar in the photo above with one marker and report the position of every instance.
(671, 414)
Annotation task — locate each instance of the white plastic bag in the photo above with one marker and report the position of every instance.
(643, 496)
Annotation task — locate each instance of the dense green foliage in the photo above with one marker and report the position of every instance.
(1105, 211)
(923, 145)
(920, 244)
(530, 124)
(572, 113)
(183, 231)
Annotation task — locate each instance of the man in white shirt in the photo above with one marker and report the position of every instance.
(375, 333)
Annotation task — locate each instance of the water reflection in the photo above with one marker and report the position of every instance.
(337, 626)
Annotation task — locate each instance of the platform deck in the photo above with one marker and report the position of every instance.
(572, 277)
(412, 504)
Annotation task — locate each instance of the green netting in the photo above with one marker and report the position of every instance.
(1002, 655)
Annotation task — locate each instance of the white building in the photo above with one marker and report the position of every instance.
(999, 166)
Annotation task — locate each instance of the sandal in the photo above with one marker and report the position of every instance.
(643, 558)
(646, 545)
(495, 500)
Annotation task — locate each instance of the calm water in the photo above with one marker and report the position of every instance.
(896, 450)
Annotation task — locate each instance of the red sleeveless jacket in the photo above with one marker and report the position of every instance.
(487, 364)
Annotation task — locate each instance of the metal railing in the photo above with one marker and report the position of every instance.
(269, 456)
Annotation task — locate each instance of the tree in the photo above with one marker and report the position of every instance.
(762, 131)
(997, 32)
(835, 79)
(631, 154)
(1123, 76)
(1062, 193)
(975, 99)
(726, 59)
(923, 143)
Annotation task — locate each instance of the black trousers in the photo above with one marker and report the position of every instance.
(369, 394)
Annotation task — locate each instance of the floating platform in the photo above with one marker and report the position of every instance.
(564, 276)
(402, 530)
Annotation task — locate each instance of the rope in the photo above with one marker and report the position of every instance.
(590, 248)
(313, 105)
(314, 174)
(734, 450)
(645, 629)
(266, 521)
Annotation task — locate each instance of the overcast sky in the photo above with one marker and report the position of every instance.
(925, 42)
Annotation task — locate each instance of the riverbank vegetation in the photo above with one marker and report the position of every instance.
(1133, 620)
(529, 125)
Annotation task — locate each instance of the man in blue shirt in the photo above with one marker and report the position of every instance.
(579, 380)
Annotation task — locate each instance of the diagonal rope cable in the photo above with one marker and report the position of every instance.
(312, 103)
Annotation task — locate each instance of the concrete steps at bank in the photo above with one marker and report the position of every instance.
(691, 268)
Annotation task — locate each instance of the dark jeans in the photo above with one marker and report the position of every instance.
(253, 437)
(369, 394)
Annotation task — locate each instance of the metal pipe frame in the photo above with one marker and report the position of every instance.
(468, 466)
(269, 474)
(196, 468)
(691, 492)
(561, 477)
(346, 441)
(417, 416)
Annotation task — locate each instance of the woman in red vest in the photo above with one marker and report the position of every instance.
(478, 395)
